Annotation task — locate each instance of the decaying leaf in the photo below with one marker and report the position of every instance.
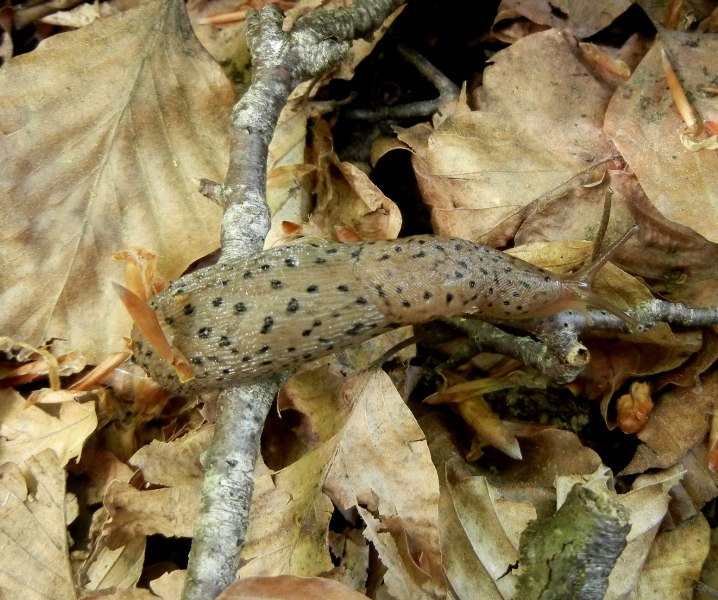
(112, 161)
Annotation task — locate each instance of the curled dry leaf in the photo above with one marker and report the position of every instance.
(113, 160)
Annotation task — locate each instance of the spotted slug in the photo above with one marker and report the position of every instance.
(241, 321)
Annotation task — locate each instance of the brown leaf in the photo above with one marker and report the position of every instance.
(170, 512)
(26, 430)
(678, 422)
(643, 121)
(580, 18)
(34, 553)
(112, 161)
(289, 587)
(539, 128)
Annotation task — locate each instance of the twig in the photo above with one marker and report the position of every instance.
(282, 60)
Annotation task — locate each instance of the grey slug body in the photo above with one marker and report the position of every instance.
(255, 317)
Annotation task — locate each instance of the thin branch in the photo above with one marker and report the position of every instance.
(282, 60)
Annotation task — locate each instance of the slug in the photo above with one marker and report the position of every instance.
(240, 321)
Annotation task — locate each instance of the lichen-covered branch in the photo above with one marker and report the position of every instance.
(570, 554)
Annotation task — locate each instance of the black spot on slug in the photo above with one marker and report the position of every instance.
(421, 254)
(225, 282)
(343, 288)
(399, 289)
(264, 363)
(421, 242)
(506, 302)
(320, 260)
(247, 274)
(398, 249)
(268, 324)
(361, 300)
(312, 288)
(384, 257)
(188, 309)
(491, 290)
(472, 284)
(458, 274)
(169, 320)
(324, 340)
(356, 253)
(336, 315)
(204, 332)
(355, 329)
(458, 247)
(178, 292)
(291, 349)
(516, 294)
(265, 267)
(427, 295)
(483, 271)
(196, 360)
(291, 261)
(449, 298)
(306, 333)
(406, 304)
(263, 350)
(240, 307)
(317, 323)
(217, 301)
(332, 250)
(507, 269)
(292, 305)
(246, 358)
(224, 341)
(463, 263)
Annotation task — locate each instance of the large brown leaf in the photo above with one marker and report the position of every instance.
(104, 132)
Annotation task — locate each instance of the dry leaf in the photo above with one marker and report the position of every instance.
(645, 125)
(34, 557)
(289, 587)
(673, 566)
(112, 161)
(26, 430)
(170, 512)
(120, 568)
(580, 18)
(539, 129)
(678, 422)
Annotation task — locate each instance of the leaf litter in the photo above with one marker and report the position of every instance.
(353, 475)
